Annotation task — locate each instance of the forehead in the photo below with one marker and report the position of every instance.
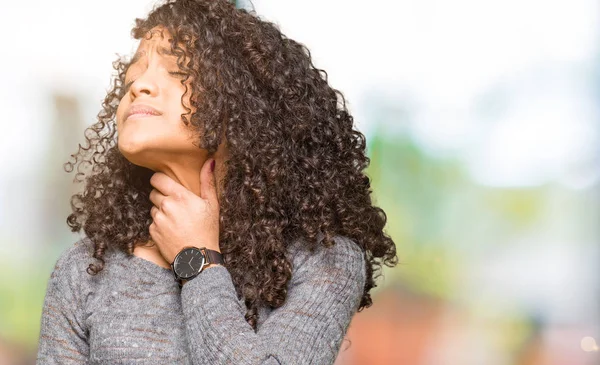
(157, 38)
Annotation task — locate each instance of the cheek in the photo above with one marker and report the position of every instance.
(176, 108)
(120, 111)
(178, 94)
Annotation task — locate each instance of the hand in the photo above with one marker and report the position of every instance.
(180, 218)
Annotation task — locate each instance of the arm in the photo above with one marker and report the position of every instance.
(323, 295)
(63, 339)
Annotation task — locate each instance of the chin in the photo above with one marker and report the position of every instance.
(133, 151)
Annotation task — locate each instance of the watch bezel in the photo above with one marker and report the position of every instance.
(205, 262)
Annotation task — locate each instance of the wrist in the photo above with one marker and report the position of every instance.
(183, 281)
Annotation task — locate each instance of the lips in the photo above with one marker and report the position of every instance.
(140, 110)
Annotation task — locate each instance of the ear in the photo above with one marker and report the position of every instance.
(208, 189)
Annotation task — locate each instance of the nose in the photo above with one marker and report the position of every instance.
(144, 84)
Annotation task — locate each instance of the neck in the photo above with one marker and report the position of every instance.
(149, 251)
(186, 173)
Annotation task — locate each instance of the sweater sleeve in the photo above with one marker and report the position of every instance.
(323, 295)
(63, 338)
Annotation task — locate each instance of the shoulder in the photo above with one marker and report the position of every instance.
(74, 256)
(70, 270)
(330, 278)
(345, 258)
(343, 249)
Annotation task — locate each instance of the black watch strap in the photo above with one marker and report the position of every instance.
(214, 257)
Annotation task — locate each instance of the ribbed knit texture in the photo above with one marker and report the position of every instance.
(133, 312)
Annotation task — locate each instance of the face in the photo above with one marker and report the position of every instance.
(151, 132)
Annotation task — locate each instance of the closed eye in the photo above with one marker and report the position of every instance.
(178, 73)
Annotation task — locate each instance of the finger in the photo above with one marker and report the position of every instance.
(207, 182)
(156, 197)
(167, 186)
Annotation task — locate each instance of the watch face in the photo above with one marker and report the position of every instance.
(188, 262)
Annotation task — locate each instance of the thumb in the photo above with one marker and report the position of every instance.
(207, 181)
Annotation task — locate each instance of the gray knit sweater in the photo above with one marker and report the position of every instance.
(133, 311)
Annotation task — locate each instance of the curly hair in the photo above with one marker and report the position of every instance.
(295, 166)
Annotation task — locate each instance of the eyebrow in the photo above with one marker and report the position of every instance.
(160, 50)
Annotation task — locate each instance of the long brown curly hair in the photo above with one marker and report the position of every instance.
(295, 166)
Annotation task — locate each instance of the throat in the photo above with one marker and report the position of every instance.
(151, 253)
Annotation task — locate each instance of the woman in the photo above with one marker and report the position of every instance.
(226, 214)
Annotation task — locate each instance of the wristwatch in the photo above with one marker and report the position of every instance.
(190, 262)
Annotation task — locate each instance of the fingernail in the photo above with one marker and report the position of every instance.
(212, 166)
